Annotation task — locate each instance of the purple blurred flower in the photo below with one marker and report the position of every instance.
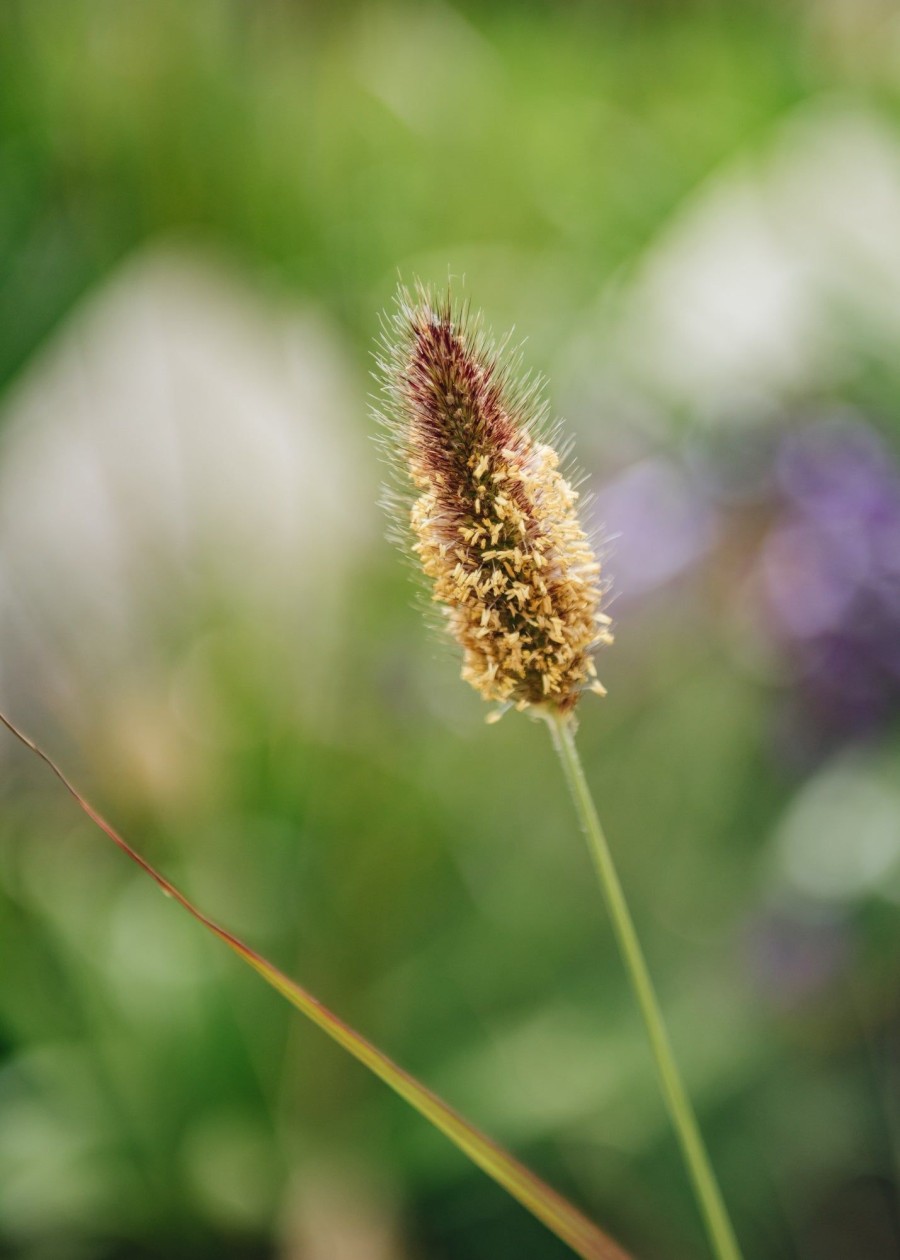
(830, 571)
(660, 524)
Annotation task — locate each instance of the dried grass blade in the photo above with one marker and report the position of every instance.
(565, 1221)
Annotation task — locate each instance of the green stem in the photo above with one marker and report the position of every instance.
(709, 1197)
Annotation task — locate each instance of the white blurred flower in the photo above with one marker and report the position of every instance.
(840, 837)
(181, 459)
(774, 277)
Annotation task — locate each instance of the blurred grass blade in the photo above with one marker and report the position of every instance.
(585, 1238)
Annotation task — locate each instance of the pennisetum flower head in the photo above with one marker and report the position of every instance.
(492, 519)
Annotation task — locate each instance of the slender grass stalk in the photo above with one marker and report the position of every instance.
(709, 1197)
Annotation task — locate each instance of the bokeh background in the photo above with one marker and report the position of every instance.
(693, 212)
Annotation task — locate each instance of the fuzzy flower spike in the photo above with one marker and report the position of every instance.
(493, 520)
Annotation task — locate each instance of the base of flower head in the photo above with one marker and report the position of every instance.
(546, 710)
(516, 575)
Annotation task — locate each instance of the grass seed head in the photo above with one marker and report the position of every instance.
(491, 518)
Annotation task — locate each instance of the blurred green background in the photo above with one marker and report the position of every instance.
(692, 212)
